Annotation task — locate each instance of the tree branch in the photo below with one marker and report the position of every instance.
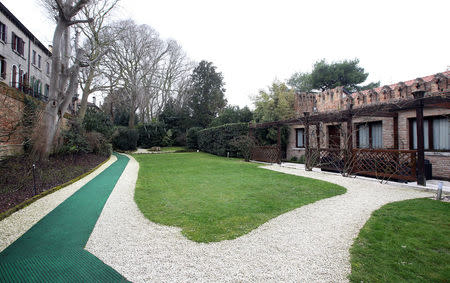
(80, 22)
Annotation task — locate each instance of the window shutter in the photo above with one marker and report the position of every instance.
(13, 41)
(22, 46)
(3, 69)
(6, 33)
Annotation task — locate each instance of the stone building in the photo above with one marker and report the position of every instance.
(24, 61)
(387, 120)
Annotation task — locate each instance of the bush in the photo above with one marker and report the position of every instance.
(74, 140)
(151, 134)
(168, 139)
(192, 137)
(244, 145)
(98, 144)
(98, 121)
(217, 140)
(125, 139)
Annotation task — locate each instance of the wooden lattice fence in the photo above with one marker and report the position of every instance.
(381, 163)
(268, 153)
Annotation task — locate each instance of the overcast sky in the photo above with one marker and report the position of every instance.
(254, 42)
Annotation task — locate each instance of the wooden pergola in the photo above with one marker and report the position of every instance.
(386, 109)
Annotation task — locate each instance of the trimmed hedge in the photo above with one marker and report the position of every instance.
(151, 134)
(125, 139)
(218, 140)
(192, 137)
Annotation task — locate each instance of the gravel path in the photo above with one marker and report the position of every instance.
(15, 225)
(308, 244)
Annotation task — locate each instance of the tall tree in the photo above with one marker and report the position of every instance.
(324, 76)
(64, 74)
(275, 104)
(207, 94)
(96, 46)
(233, 114)
(135, 53)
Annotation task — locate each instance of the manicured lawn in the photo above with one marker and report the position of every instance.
(172, 148)
(407, 241)
(214, 198)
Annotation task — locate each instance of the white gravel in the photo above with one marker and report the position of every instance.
(308, 244)
(15, 225)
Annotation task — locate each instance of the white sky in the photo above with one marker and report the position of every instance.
(254, 42)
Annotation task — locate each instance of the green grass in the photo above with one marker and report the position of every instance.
(407, 241)
(214, 198)
(172, 148)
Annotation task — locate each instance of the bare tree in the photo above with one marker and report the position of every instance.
(135, 53)
(64, 72)
(96, 45)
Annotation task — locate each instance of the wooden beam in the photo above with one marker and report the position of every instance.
(395, 118)
(418, 96)
(307, 160)
(279, 144)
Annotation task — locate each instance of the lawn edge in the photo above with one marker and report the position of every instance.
(29, 201)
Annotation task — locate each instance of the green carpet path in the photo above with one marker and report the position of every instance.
(53, 249)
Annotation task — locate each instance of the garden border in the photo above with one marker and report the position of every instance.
(29, 201)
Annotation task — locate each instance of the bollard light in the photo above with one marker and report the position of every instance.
(439, 191)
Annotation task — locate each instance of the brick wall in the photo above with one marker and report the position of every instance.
(11, 115)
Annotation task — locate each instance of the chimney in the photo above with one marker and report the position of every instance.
(94, 100)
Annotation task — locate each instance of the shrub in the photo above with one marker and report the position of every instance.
(217, 140)
(192, 137)
(74, 140)
(168, 139)
(105, 149)
(125, 138)
(302, 159)
(244, 145)
(98, 121)
(98, 144)
(151, 134)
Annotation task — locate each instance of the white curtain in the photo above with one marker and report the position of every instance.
(426, 143)
(377, 135)
(363, 136)
(441, 133)
(300, 137)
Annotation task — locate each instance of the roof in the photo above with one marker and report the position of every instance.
(28, 33)
(407, 83)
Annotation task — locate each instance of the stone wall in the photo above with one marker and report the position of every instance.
(12, 104)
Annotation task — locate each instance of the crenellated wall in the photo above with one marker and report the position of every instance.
(336, 99)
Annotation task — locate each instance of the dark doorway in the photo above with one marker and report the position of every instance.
(334, 136)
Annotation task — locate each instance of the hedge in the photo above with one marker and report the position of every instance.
(192, 137)
(151, 134)
(125, 139)
(217, 140)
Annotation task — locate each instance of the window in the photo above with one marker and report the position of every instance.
(436, 131)
(3, 67)
(48, 68)
(46, 90)
(14, 76)
(39, 61)
(300, 137)
(370, 135)
(17, 44)
(33, 58)
(3, 32)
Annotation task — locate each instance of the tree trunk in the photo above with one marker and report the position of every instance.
(86, 93)
(46, 129)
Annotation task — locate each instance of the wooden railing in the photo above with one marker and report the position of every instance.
(268, 153)
(381, 163)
